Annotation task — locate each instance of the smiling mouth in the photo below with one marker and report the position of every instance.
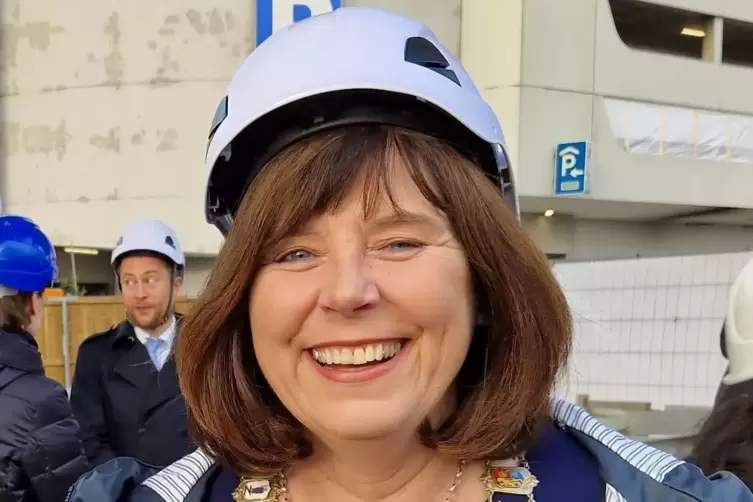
(369, 354)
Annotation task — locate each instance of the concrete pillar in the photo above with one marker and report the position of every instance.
(712, 42)
(491, 47)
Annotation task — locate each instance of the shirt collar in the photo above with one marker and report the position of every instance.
(167, 336)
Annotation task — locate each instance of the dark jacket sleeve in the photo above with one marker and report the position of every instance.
(117, 480)
(86, 400)
(47, 455)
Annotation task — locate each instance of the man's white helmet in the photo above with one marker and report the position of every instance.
(149, 235)
(352, 66)
(738, 328)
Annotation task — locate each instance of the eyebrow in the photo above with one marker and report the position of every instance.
(405, 218)
(401, 218)
(148, 272)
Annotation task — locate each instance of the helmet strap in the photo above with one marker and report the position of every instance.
(170, 310)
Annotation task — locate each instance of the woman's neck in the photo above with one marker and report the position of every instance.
(378, 471)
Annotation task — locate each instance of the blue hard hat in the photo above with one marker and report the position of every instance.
(27, 257)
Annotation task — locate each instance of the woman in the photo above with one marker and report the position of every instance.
(378, 327)
(40, 453)
(726, 438)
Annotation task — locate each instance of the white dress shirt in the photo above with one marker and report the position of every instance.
(168, 336)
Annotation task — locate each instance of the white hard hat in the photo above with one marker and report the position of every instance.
(150, 235)
(738, 328)
(355, 65)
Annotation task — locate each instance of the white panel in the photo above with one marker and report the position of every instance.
(648, 329)
(649, 128)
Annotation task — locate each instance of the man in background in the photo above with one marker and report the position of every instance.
(125, 390)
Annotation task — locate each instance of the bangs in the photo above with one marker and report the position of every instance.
(315, 176)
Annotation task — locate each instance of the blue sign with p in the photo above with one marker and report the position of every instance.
(273, 15)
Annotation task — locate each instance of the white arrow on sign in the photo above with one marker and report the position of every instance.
(576, 172)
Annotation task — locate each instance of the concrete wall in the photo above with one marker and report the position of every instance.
(106, 108)
(492, 51)
(732, 9)
(603, 239)
(573, 58)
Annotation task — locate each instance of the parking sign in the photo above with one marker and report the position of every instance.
(571, 168)
(273, 15)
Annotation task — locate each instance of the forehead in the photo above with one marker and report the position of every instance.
(137, 265)
(395, 194)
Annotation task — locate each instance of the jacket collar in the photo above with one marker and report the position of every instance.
(19, 350)
(631, 470)
(125, 331)
(614, 451)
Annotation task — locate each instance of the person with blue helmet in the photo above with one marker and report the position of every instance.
(41, 454)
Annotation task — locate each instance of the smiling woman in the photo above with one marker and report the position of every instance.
(378, 326)
(398, 261)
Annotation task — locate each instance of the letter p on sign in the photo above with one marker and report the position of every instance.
(273, 15)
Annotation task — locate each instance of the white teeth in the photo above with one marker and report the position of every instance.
(357, 355)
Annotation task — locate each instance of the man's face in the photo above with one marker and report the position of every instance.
(145, 282)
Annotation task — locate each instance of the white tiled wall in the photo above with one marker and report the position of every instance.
(648, 329)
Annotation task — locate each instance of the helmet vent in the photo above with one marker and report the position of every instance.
(422, 52)
(219, 117)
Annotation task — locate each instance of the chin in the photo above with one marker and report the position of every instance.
(143, 323)
(146, 324)
(360, 421)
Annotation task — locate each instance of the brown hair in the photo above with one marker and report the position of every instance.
(14, 311)
(725, 442)
(525, 340)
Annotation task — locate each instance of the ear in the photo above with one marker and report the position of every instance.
(178, 284)
(30, 304)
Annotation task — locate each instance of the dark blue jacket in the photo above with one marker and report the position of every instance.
(126, 407)
(630, 471)
(41, 455)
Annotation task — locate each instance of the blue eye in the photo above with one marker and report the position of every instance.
(403, 245)
(297, 255)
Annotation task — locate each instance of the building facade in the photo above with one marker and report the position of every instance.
(105, 114)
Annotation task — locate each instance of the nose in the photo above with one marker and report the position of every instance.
(349, 287)
(140, 290)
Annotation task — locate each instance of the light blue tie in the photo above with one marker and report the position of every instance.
(154, 346)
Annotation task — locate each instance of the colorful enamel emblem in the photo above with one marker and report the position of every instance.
(256, 490)
(511, 480)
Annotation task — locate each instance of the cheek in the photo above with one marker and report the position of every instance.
(434, 291)
(434, 294)
(128, 299)
(274, 325)
(278, 307)
(163, 293)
